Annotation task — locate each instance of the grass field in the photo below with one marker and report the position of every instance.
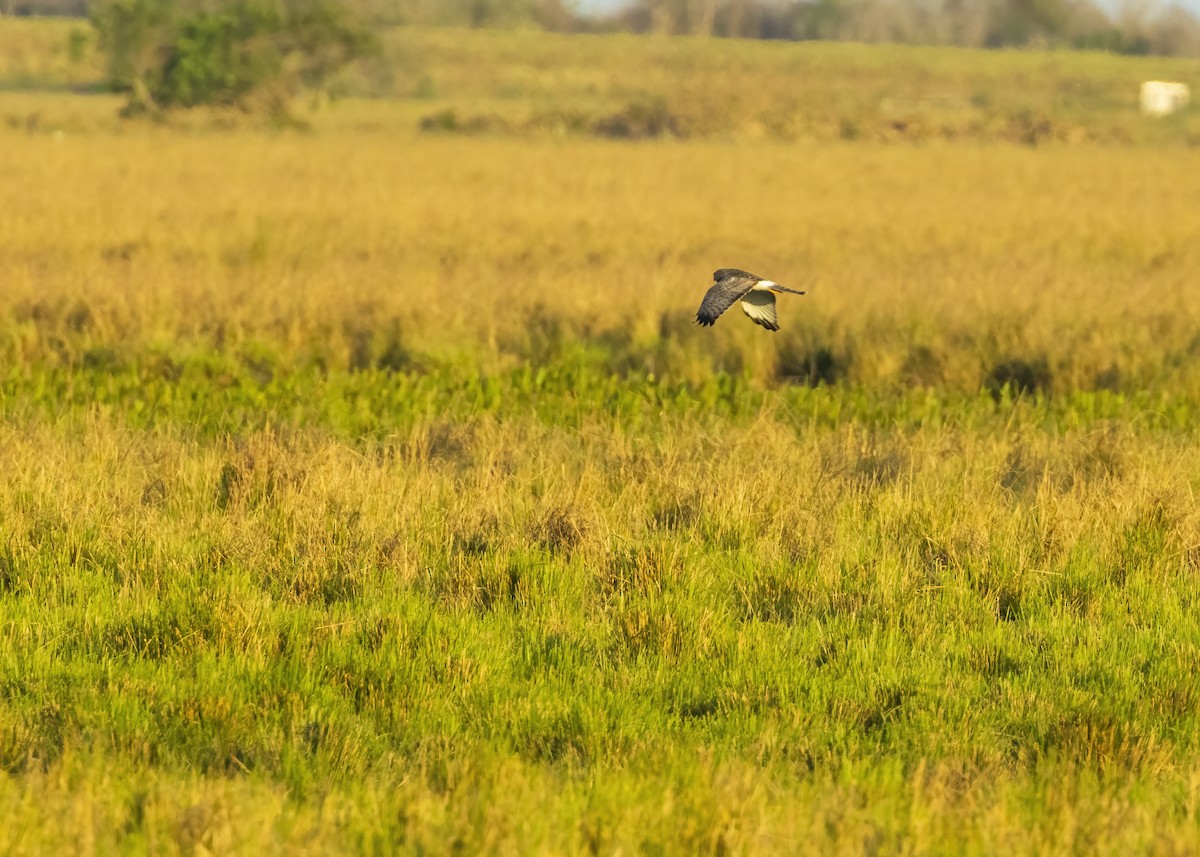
(368, 490)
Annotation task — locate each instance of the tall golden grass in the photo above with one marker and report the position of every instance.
(930, 264)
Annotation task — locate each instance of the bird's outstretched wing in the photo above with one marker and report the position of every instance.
(723, 294)
(760, 306)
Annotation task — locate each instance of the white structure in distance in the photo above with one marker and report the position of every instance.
(1160, 97)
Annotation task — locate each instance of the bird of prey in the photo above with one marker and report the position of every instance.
(756, 294)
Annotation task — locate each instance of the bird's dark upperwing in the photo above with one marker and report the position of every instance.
(722, 296)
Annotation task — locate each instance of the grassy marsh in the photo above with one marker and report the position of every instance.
(369, 490)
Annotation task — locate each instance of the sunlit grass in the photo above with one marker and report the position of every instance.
(954, 268)
(366, 490)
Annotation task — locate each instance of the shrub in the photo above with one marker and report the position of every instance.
(182, 53)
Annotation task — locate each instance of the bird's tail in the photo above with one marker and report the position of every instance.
(779, 288)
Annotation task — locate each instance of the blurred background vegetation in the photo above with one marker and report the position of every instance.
(1131, 28)
(285, 60)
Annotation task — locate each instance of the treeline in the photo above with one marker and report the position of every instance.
(1139, 28)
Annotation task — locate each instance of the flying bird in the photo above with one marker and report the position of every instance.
(756, 294)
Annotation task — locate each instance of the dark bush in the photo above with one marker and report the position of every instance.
(641, 120)
(1019, 376)
(813, 365)
(450, 122)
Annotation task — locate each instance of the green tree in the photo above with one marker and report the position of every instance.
(183, 53)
